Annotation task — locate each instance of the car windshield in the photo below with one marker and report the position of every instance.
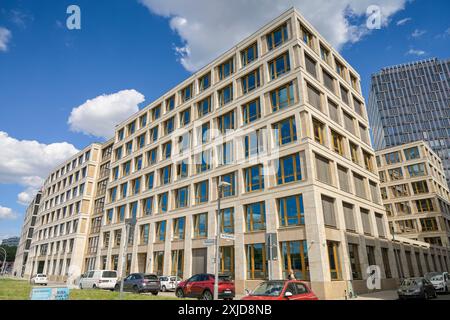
(437, 278)
(224, 278)
(150, 277)
(271, 289)
(409, 283)
(432, 275)
(109, 274)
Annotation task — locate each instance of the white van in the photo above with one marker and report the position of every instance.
(440, 281)
(98, 279)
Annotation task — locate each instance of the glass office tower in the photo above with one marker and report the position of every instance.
(411, 102)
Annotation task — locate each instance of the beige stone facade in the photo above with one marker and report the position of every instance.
(415, 193)
(59, 240)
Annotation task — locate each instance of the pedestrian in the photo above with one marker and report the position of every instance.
(291, 275)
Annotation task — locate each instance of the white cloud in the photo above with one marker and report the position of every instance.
(27, 163)
(210, 27)
(5, 37)
(7, 214)
(415, 52)
(403, 21)
(418, 33)
(99, 116)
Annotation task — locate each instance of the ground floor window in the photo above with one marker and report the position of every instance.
(333, 257)
(227, 261)
(115, 262)
(177, 263)
(256, 261)
(158, 263)
(295, 257)
(387, 267)
(355, 263)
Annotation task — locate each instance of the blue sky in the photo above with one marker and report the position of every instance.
(47, 70)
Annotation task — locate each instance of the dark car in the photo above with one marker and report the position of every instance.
(140, 282)
(282, 290)
(201, 286)
(416, 288)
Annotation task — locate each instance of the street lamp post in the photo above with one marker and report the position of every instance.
(216, 262)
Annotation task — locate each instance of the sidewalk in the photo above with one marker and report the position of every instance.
(380, 295)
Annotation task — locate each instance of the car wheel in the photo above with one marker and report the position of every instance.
(425, 295)
(135, 289)
(207, 295)
(163, 289)
(116, 287)
(155, 293)
(94, 287)
(179, 293)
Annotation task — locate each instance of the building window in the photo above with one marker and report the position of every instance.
(167, 150)
(349, 216)
(166, 175)
(349, 123)
(186, 93)
(294, 256)
(374, 192)
(354, 153)
(230, 190)
(368, 162)
(124, 190)
(204, 82)
(319, 132)
(255, 216)
(380, 225)
(169, 126)
(141, 141)
(200, 225)
(360, 186)
(340, 69)
(147, 206)
(325, 54)
(282, 97)
(307, 37)
(131, 128)
(249, 54)
(156, 112)
(177, 263)
(136, 186)
(170, 104)
(289, 169)
(417, 170)
(344, 95)
(358, 107)
(226, 122)
(226, 153)
(161, 231)
(424, 205)
(138, 163)
(158, 263)
(204, 132)
(152, 156)
(225, 69)
(279, 66)
(333, 258)
(227, 261)
(328, 81)
(323, 170)
(420, 187)
(343, 178)
(387, 267)
(412, 153)
(277, 37)
(291, 211)
(182, 169)
(227, 220)
(203, 161)
(204, 107)
(202, 192)
(225, 95)
(254, 178)
(250, 81)
(184, 142)
(337, 143)
(185, 117)
(395, 174)
(328, 209)
(355, 263)
(144, 234)
(365, 218)
(251, 111)
(392, 158)
(256, 261)
(178, 228)
(285, 131)
(181, 197)
(311, 66)
(163, 202)
(253, 143)
(400, 190)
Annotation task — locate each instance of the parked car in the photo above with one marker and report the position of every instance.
(440, 281)
(420, 288)
(98, 279)
(140, 282)
(201, 286)
(169, 283)
(282, 290)
(40, 279)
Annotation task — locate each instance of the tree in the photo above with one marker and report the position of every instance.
(10, 253)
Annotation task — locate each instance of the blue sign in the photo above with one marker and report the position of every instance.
(55, 293)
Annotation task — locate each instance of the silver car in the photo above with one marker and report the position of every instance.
(416, 288)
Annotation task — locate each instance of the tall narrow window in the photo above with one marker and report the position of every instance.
(254, 178)
(291, 211)
(256, 261)
(285, 131)
(277, 37)
(251, 111)
(294, 256)
(225, 95)
(250, 81)
(249, 54)
(225, 69)
(334, 261)
(227, 220)
(204, 82)
(204, 107)
(279, 66)
(289, 169)
(202, 192)
(255, 216)
(282, 97)
(200, 225)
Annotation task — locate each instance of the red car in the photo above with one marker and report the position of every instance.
(201, 286)
(282, 290)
